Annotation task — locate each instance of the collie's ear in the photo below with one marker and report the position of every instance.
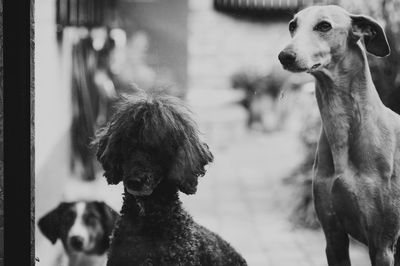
(109, 217)
(372, 33)
(109, 154)
(50, 223)
(189, 164)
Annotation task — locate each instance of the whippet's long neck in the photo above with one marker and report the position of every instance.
(346, 98)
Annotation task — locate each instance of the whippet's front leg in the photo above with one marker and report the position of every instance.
(337, 240)
(337, 248)
(383, 253)
(397, 254)
(382, 256)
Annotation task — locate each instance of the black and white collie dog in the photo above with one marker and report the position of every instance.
(84, 227)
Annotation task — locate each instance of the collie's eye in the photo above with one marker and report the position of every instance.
(292, 26)
(69, 216)
(323, 26)
(91, 219)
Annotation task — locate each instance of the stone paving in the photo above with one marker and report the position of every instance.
(244, 199)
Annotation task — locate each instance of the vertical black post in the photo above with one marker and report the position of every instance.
(18, 203)
(58, 12)
(1, 142)
(68, 20)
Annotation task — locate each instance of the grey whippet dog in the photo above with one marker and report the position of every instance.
(357, 167)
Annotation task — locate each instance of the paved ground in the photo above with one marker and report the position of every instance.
(242, 197)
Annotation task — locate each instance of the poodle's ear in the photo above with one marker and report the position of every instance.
(50, 224)
(109, 216)
(189, 165)
(109, 154)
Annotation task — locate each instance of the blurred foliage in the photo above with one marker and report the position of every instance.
(253, 83)
(261, 90)
(303, 214)
(93, 93)
(385, 71)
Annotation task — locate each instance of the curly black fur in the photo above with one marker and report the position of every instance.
(152, 145)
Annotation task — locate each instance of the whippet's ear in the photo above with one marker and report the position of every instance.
(372, 33)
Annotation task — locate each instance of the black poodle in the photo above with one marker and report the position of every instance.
(152, 145)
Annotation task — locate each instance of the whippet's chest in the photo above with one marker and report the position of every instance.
(337, 199)
(359, 203)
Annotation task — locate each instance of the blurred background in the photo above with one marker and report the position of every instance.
(220, 56)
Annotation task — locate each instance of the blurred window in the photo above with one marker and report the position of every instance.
(266, 5)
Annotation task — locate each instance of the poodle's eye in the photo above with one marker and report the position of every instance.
(323, 26)
(198, 173)
(195, 173)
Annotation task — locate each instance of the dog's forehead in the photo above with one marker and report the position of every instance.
(68, 206)
(314, 14)
(91, 208)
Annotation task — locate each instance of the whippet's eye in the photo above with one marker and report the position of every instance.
(292, 26)
(323, 26)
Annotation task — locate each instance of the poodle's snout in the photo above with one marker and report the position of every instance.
(134, 184)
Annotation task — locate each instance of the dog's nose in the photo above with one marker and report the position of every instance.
(76, 242)
(287, 57)
(134, 184)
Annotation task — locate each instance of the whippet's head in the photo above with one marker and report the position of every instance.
(323, 35)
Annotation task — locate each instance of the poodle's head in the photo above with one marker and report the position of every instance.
(151, 138)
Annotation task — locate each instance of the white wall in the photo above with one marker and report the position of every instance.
(52, 121)
(52, 90)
